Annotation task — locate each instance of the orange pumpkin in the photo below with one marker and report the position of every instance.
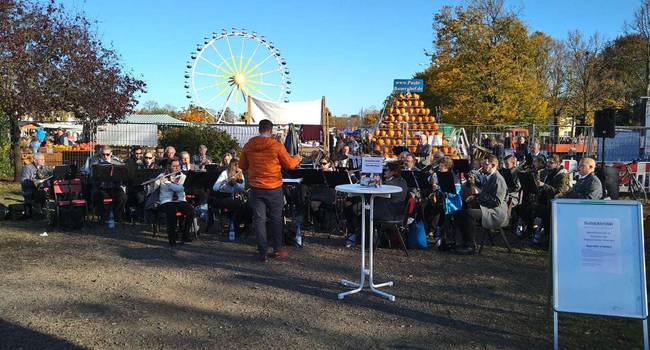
(407, 134)
(386, 150)
(445, 142)
(402, 110)
(435, 127)
(422, 126)
(391, 133)
(399, 118)
(382, 126)
(419, 119)
(391, 125)
(413, 149)
(398, 133)
(383, 133)
(416, 96)
(376, 132)
(434, 149)
(380, 141)
(408, 141)
(401, 95)
(408, 95)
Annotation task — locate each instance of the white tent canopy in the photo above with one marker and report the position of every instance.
(303, 112)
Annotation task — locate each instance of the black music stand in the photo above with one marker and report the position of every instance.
(507, 175)
(62, 172)
(142, 175)
(335, 178)
(309, 176)
(461, 166)
(214, 168)
(415, 179)
(199, 179)
(109, 173)
(446, 182)
(528, 184)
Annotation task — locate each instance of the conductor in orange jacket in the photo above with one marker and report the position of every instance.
(264, 158)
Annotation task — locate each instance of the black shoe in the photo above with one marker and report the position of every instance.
(465, 250)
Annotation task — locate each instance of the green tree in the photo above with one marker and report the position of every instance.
(191, 137)
(483, 68)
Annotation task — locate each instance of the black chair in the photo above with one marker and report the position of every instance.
(399, 224)
(490, 234)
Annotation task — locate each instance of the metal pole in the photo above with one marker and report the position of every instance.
(555, 331)
(645, 334)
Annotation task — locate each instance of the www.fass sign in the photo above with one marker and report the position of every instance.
(408, 85)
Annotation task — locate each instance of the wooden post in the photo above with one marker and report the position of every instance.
(325, 125)
(248, 110)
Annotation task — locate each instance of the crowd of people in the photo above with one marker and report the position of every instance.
(491, 190)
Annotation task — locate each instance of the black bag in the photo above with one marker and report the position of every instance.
(4, 212)
(71, 217)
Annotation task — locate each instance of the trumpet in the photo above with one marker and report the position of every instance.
(159, 177)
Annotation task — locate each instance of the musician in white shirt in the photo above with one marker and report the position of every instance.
(172, 201)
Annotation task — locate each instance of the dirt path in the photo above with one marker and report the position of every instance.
(127, 291)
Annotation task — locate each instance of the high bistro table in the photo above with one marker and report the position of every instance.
(367, 195)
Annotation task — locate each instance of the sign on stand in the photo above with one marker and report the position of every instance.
(599, 260)
(372, 165)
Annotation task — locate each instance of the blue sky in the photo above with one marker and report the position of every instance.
(349, 51)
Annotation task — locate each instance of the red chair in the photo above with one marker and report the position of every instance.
(68, 194)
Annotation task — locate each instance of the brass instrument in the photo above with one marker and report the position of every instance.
(480, 152)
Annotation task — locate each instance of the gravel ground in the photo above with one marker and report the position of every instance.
(126, 290)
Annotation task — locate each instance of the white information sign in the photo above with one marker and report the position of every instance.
(600, 245)
(372, 165)
(598, 259)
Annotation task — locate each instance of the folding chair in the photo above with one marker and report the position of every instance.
(68, 194)
(400, 224)
(492, 233)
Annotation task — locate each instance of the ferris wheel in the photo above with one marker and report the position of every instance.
(230, 66)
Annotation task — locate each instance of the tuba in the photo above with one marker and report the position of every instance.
(480, 152)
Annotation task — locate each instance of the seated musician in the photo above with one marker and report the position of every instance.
(424, 148)
(527, 209)
(553, 182)
(108, 189)
(322, 194)
(172, 200)
(160, 155)
(170, 154)
(410, 162)
(439, 203)
(228, 190)
(588, 185)
(202, 158)
(186, 164)
(489, 206)
(385, 208)
(135, 160)
(149, 161)
(32, 186)
(343, 158)
(225, 160)
(510, 164)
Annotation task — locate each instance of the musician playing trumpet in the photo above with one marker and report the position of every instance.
(172, 200)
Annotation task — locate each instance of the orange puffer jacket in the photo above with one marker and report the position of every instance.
(264, 158)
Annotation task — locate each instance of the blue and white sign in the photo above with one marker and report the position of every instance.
(408, 85)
